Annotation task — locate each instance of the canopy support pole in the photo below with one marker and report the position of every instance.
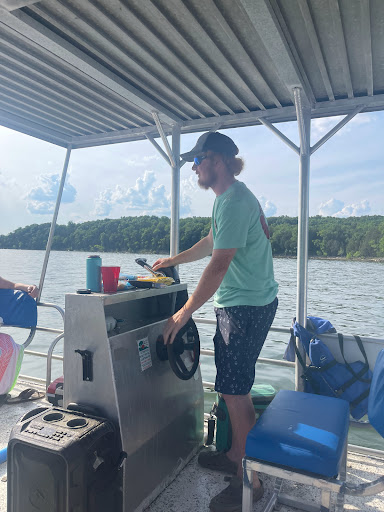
(172, 157)
(175, 194)
(159, 126)
(305, 151)
(304, 126)
(54, 220)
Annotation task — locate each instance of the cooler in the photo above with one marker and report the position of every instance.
(262, 396)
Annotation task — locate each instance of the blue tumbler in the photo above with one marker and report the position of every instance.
(94, 273)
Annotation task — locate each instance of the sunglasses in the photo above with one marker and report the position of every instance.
(198, 159)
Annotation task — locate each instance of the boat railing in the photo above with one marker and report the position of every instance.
(209, 385)
(32, 333)
(204, 351)
(209, 352)
(49, 356)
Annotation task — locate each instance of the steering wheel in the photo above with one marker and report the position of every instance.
(187, 339)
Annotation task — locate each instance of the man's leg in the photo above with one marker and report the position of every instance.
(240, 335)
(243, 417)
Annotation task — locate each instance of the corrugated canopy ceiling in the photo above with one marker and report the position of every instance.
(92, 72)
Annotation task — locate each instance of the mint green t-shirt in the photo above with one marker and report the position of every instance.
(238, 221)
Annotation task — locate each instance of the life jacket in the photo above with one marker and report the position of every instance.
(315, 325)
(325, 376)
(376, 396)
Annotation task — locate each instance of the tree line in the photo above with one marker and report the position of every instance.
(351, 237)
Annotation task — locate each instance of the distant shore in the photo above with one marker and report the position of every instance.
(350, 238)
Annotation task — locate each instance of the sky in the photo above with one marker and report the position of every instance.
(131, 179)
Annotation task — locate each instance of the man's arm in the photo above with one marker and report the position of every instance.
(31, 289)
(208, 284)
(198, 251)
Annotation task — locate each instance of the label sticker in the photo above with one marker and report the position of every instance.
(144, 354)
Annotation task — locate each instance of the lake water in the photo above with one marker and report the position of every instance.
(348, 293)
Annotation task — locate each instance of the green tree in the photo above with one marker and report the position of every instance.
(328, 236)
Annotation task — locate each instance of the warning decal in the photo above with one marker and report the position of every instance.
(144, 354)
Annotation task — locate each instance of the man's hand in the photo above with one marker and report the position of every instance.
(162, 263)
(33, 291)
(174, 324)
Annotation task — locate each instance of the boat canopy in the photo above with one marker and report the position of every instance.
(85, 73)
(82, 73)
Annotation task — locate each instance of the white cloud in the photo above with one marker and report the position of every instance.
(6, 182)
(188, 189)
(321, 126)
(330, 207)
(41, 199)
(145, 197)
(363, 119)
(355, 210)
(103, 204)
(149, 158)
(268, 207)
(336, 208)
(140, 161)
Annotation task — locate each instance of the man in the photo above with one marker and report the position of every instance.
(241, 273)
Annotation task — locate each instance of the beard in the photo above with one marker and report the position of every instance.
(208, 180)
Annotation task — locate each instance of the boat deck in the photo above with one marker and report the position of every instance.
(194, 487)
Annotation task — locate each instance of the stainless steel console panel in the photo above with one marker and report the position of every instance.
(160, 416)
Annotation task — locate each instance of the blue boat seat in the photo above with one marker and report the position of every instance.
(302, 431)
(303, 438)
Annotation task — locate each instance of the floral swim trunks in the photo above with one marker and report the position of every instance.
(240, 335)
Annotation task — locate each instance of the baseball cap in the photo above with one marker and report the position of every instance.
(213, 141)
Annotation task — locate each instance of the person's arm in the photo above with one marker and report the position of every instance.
(209, 282)
(198, 251)
(31, 289)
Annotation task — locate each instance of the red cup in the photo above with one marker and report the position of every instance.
(110, 277)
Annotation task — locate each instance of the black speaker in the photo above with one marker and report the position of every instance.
(63, 461)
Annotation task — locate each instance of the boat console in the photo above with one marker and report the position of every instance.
(120, 375)
(116, 372)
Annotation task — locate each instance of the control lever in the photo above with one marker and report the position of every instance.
(143, 263)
